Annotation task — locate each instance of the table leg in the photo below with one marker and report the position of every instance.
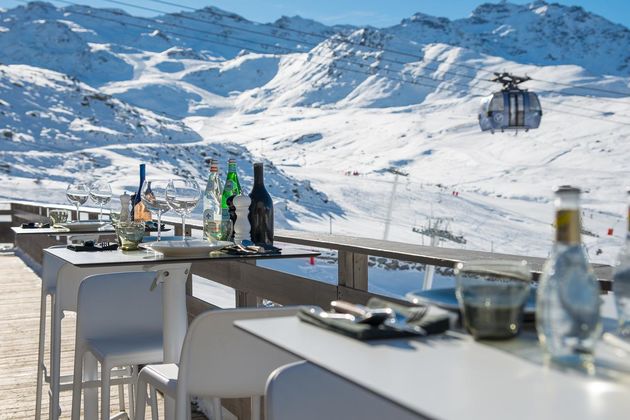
(175, 318)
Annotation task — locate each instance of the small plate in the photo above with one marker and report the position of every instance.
(445, 298)
(186, 248)
(82, 226)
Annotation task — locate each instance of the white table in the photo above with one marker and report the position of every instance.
(173, 271)
(453, 377)
(105, 230)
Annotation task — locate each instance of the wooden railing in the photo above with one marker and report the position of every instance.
(253, 283)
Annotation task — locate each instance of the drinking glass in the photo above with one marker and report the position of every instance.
(183, 196)
(492, 295)
(153, 195)
(77, 194)
(101, 194)
(58, 216)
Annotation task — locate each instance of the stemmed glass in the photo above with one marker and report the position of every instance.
(182, 196)
(77, 194)
(153, 194)
(101, 194)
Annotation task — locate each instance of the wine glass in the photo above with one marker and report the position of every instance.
(153, 195)
(77, 194)
(101, 194)
(182, 196)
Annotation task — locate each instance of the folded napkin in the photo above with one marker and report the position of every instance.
(34, 225)
(151, 226)
(433, 321)
(349, 328)
(250, 250)
(90, 246)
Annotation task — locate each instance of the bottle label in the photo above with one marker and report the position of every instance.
(141, 213)
(568, 226)
(229, 185)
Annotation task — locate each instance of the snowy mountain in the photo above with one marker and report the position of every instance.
(347, 118)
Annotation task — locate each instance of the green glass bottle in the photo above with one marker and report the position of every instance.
(232, 188)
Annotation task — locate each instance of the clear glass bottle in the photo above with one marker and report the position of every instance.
(621, 282)
(567, 309)
(232, 188)
(212, 204)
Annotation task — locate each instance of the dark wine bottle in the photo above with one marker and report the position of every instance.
(260, 210)
(137, 196)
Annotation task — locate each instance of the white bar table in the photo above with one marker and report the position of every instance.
(453, 377)
(105, 230)
(172, 271)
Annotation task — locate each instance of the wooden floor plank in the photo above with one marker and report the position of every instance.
(19, 329)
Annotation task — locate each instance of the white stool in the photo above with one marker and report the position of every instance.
(52, 269)
(307, 392)
(219, 361)
(119, 322)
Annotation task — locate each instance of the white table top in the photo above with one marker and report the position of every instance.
(453, 377)
(61, 231)
(143, 256)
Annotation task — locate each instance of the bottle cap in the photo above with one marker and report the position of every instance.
(242, 201)
(562, 189)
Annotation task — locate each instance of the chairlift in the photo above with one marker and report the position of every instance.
(512, 108)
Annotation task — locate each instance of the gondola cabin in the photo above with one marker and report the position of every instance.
(511, 108)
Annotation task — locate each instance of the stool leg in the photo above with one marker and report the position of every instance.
(55, 360)
(106, 371)
(121, 397)
(217, 408)
(130, 390)
(154, 404)
(77, 381)
(255, 407)
(90, 395)
(40, 355)
(141, 398)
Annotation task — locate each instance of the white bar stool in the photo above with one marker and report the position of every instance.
(119, 322)
(307, 392)
(217, 361)
(62, 299)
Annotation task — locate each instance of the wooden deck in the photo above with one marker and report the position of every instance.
(19, 323)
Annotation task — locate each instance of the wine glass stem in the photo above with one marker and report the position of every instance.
(78, 217)
(159, 217)
(100, 216)
(183, 226)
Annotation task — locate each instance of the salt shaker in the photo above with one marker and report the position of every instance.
(125, 203)
(242, 227)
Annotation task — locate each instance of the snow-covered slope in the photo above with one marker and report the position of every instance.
(334, 111)
(46, 110)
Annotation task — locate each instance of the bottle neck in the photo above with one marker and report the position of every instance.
(568, 226)
(259, 175)
(231, 168)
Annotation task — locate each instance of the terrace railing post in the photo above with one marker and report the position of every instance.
(246, 299)
(352, 270)
(178, 229)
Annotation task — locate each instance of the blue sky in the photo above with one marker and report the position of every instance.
(358, 12)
